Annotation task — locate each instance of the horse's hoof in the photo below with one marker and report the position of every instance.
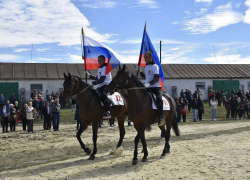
(144, 160)
(88, 152)
(134, 162)
(91, 157)
(163, 156)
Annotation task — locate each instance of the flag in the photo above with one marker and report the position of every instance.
(146, 46)
(93, 49)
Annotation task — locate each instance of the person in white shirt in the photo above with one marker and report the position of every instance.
(100, 83)
(152, 83)
(30, 117)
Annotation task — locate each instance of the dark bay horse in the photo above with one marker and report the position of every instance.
(91, 111)
(141, 112)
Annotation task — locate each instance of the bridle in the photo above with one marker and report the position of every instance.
(76, 87)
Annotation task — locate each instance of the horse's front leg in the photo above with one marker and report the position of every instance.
(145, 150)
(137, 138)
(95, 129)
(121, 120)
(83, 126)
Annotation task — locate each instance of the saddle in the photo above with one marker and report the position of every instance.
(115, 99)
(165, 102)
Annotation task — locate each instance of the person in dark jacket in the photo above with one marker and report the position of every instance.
(182, 93)
(12, 119)
(23, 114)
(41, 106)
(227, 105)
(194, 107)
(200, 108)
(55, 109)
(35, 104)
(12, 98)
(178, 110)
(46, 111)
(189, 98)
(246, 107)
(4, 118)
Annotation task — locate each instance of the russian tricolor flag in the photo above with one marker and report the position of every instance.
(93, 49)
(146, 46)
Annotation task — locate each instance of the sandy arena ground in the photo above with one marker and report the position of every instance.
(203, 151)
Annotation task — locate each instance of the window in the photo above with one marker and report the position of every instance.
(200, 85)
(38, 87)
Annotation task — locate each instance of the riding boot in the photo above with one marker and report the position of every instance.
(106, 115)
(160, 110)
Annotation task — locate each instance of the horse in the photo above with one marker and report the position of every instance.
(91, 111)
(141, 112)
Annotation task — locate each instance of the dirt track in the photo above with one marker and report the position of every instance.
(203, 151)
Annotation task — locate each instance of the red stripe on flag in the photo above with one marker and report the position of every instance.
(92, 63)
(108, 68)
(161, 84)
(142, 61)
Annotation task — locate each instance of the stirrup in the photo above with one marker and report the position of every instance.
(161, 122)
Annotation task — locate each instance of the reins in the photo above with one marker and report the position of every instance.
(79, 92)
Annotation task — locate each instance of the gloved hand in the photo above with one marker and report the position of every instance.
(87, 73)
(95, 86)
(147, 85)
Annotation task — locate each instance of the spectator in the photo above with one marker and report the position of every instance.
(200, 108)
(23, 114)
(178, 110)
(4, 118)
(189, 98)
(241, 108)
(35, 104)
(227, 105)
(46, 111)
(246, 107)
(55, 109)
(60, 101)
(47, 95)
(194, 107)
(53, 95)
(33, 94)
(2, 100)
(248, 95)
(218, 97)
(182, 93)
(41, 105)
(73, 102)
(210, 96)
(17, 112)
(214, 104)
(12, 98)
(237, 105)
(8, 105)
(184, 113)
(30, 117)
(233, 92)
(111, 122)
(12, 118)
(185, 101)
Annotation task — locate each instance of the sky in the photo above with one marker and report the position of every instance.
(191, 31)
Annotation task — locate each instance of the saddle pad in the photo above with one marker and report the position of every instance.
(166, 105)
(116, 99)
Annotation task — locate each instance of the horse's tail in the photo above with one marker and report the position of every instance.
(173, 111)
(175, 126)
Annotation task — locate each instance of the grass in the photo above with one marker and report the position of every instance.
(67, 116)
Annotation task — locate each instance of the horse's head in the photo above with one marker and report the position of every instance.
(69, 85)
(119, 80)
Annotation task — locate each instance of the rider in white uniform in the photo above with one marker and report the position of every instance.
(152, 83)
(100, 83)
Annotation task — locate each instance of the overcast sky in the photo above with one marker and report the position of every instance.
(188, 29)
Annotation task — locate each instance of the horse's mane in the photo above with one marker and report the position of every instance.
(138, 83)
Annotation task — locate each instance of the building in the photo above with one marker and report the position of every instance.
(22, 78)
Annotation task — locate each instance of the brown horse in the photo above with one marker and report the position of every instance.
(141, 112)
(90, 109)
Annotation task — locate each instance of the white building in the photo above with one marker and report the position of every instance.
(22, 78)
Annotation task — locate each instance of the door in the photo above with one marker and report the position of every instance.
(8, 88)
(227, 85)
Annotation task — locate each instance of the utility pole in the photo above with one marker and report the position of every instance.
(31, 53)
(215, 55)
(160, 51)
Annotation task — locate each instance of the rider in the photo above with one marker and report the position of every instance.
(152, 83)
(101, 82)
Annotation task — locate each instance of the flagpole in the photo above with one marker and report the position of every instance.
(83, 58)
(139, 68)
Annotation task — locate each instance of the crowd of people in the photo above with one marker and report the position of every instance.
(47, 109)
(237, 105)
